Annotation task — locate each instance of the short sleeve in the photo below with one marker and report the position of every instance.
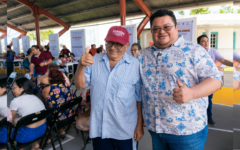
(236, 56)
(32, 60)
(13, 105)
(218, 56)
(47, 56)
(87, 74)
(204, 65)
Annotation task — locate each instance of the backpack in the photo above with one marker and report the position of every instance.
(26, 64)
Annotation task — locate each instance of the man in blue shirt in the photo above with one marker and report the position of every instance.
(10, 60)
(114, 79)
(177, 76)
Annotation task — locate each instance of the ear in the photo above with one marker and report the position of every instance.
(176, 27)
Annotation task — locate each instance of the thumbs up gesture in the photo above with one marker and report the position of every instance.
(182, 94)
(87, 58)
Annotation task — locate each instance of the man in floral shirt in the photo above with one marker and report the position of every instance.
(177, 76)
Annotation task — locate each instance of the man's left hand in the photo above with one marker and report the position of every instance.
(41, 64)
(182, 94)
(138, 133)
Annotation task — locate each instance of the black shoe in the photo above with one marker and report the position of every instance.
(211, 122)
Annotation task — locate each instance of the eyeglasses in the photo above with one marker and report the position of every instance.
(166, 28)
(118, 46)
(13, 88)
(134, 50)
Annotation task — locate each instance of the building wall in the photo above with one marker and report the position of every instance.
(237, 44)
(225, 36)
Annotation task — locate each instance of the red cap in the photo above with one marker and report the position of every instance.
(118, 34)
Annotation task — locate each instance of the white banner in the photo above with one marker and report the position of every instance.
(25, 44)
(5, 43)
(16, 47)
(78, 42)
(132, 30)
(187, 28)
(54, 44)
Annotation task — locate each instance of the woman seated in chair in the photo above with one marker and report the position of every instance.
(27, 101)
(4, 110)
(43, 81)
(56, 94)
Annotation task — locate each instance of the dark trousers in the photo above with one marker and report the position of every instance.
(9, 68)
(209, 109)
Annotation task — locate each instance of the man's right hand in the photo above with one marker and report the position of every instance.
(87, 58)
(30, 74)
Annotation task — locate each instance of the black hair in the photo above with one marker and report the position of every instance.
(9, 46)
(61, 56)
(53, 58)
(161, 13)
(35, 46)
(72, 54)
(136, 44)
(47, 47)
(99, 50)
(200, 37)
(3, 84)
(29, 51)
(28, 89)
(66, 54)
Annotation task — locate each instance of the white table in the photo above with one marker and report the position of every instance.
(19, 61)
(2, 63)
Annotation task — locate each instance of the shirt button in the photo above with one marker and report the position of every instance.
(157, 71)
(156, 105)
(157, 116)
(104, 112)
(158, 59)
(104, 122)
(107, 90)
(156, 82)
(155, 93)
(105, 101)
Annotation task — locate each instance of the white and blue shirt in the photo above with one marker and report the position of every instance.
(160, 70)
(114, 96)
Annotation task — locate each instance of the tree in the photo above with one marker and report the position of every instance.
(200, 11)
(44, 35)
(181, 13)
(226, 9)
(238, 11)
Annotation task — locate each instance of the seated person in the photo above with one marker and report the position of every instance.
(56, 94)
(27, 101)
(53, 60)
(66, 58)
(22, 56)
(100, 50)
(44, 80)
(60, 63)
(74, 60)
(4, 111)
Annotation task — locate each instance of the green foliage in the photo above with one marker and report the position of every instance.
(226, 9)
(200, 11)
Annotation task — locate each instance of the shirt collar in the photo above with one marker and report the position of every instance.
(177, 43)
(126, 58)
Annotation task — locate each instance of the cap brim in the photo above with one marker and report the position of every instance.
(116, 40)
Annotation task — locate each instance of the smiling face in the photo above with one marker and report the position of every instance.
(164, 39)
(135, 50)
(116, 54)
(204, 42)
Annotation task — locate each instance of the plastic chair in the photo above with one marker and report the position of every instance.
(56, 125)
(5, 123)
(30, 119)
(10, 81)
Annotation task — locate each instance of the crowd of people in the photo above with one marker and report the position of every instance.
(162, 86)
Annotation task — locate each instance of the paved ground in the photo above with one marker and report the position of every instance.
(220, 137)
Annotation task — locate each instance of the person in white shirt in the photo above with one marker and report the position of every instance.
(27, 101)
(61, 64)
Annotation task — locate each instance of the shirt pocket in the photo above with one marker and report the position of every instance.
(125, 90)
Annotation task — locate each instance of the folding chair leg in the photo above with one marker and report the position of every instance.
(58, 137)
(9, 146)
(84, 141)
(51, 138)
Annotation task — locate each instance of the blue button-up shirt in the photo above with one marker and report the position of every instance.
(114, 96)
(160, 70)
